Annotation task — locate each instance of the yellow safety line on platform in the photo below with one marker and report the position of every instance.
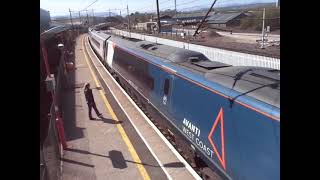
(124, 136)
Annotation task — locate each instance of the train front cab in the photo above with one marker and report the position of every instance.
(239, 141)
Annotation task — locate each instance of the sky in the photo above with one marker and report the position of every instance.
(61, 7)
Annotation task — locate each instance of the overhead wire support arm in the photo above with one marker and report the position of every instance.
(204, 18)
(89, 5)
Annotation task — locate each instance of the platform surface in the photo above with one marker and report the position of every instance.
(96, 149)
(121, 145)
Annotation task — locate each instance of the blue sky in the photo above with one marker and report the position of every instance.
(61, 7)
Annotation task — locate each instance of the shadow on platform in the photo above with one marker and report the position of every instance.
(76, 162)
(119, 162)
(70, 107)
(106, 120)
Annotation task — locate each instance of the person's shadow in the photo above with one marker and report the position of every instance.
(107, 120)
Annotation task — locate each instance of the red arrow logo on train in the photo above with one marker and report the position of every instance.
(221, 157)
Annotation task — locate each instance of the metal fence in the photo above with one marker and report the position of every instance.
(215, 54)
(50, 153)
(51, 150)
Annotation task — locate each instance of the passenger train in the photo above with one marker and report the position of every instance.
(226, 118)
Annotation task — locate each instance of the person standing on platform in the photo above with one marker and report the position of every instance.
(90, 101)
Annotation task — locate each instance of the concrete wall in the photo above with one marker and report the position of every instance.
(214, 54)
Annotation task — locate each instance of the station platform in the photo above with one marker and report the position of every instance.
(122, 144)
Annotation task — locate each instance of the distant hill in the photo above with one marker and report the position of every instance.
(104, 14)
(247, 6)
(234, 6)
(59, 17)
(96, 14)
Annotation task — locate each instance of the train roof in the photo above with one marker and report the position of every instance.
(188, 59)
(260, 83)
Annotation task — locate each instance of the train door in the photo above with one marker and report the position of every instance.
(105, 51)
(110, 53)
(166, 93)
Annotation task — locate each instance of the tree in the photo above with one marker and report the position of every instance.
(255, 22)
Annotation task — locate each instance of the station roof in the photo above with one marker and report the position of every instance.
(192, 15)
(51, 32)
(43, 10)
(222, 18)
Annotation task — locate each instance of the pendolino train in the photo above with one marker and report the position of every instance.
(226, 118)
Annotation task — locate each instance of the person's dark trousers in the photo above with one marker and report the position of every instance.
(90, 106)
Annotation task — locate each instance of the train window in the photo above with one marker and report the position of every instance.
(166, 87)
(105, 48)
(150, 83)
(135, 69)
(96, 42)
